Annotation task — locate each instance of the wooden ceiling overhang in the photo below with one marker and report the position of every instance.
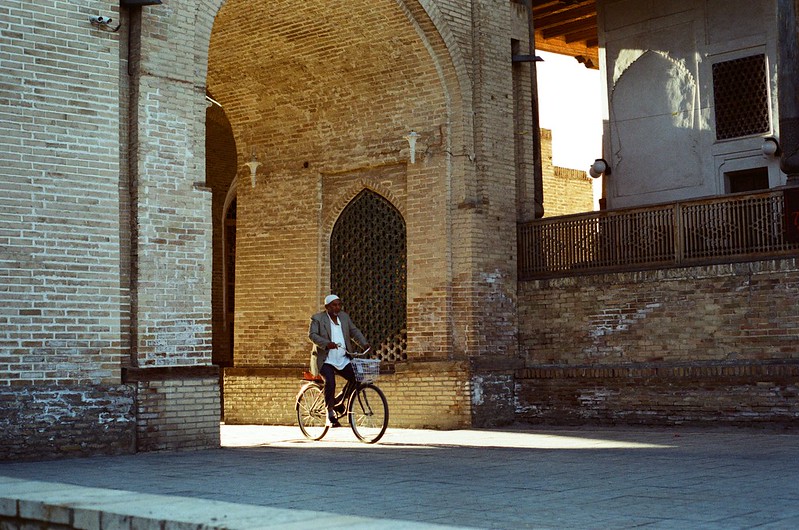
(567, 27)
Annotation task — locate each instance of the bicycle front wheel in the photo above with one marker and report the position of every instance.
(368, 413)
(311, 412)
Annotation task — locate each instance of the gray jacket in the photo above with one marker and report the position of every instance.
(319, 333)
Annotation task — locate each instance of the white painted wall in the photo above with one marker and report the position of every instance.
(659, 124)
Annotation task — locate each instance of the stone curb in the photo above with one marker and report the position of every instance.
(66, 506)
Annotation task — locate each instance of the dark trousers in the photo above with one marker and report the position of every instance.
(328, 372)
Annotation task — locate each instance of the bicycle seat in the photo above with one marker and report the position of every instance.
(308, 376)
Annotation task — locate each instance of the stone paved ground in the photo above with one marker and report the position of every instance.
(515, 478)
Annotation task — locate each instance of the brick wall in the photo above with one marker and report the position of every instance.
(63, 302)
(173, 266)
(419, 395)
(328, 125)
(104, 227)
(429, 395)
(741, 393)
(59, 197)
(261, 396)
(48, 421)
(171, 229)
(566, 191)
(176, 408)
(484, 260)
(678, 345)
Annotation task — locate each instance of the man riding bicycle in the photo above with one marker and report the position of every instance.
(332, 332)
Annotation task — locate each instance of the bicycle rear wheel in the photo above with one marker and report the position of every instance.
(311, 411)
(368, 413)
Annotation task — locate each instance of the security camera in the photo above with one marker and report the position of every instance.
(100, 20)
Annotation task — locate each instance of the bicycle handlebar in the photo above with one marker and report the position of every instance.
(361, 354)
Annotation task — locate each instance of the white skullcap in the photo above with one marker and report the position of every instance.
(329, 298)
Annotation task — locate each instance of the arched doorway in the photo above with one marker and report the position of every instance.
(220, 177)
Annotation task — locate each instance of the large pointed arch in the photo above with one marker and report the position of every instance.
(324, 96)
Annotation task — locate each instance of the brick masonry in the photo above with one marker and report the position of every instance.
(733, 393)
(56, 421)
(59, 213)
(176, 407)
(105, 235)
(181, 414)
(713, 344)
(566, 191)
(110, 192)
(419, 395)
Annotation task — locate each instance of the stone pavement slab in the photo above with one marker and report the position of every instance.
(271, 477)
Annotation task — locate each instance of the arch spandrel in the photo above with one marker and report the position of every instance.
(289, 76)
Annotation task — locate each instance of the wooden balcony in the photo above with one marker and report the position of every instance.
(732, 228)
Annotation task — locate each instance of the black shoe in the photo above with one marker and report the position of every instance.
(332, 421)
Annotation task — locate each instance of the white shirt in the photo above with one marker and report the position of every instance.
(337, 357)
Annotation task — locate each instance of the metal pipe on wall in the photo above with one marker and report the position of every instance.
(788, 95)
(538, 174)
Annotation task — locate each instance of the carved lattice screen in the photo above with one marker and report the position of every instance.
(740, 94)
(368, 271)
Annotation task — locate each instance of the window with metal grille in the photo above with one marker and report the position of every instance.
(740, 95)
(368, 271)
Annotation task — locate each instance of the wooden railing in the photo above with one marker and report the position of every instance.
(740, 227)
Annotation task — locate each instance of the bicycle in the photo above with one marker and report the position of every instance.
(362, 403)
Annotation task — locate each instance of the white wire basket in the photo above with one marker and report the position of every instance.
(366, 370)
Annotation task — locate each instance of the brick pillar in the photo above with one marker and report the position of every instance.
(171, 245)
(485, 224)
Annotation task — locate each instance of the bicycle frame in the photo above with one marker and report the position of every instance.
(360, 401)
(341, 398)
(363, 404)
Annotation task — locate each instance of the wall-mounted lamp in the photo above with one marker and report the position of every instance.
(770, 147)
(599, 167)
(253, 164)
(412, 137)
